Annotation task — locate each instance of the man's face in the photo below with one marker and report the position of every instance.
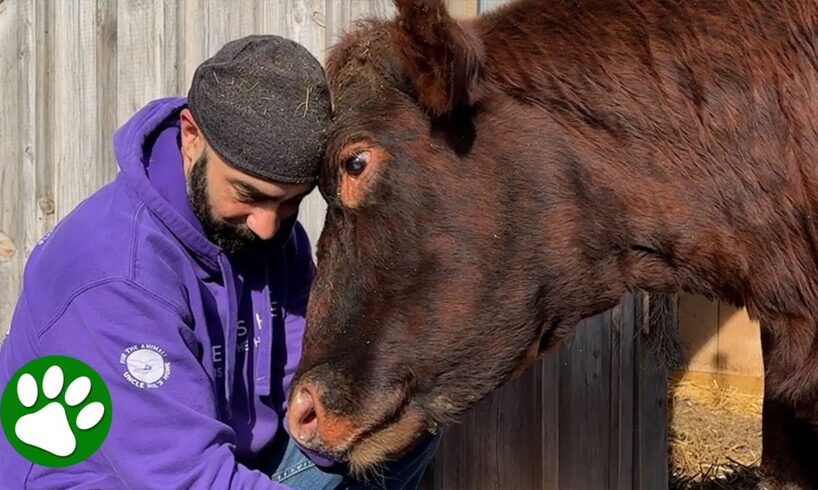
(239, 212)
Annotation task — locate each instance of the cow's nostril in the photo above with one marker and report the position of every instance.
(309, 421)
(314, 427)
(304, 415)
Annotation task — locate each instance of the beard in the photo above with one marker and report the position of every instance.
(230, 237)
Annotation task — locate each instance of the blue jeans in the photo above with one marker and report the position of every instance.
(294, 469)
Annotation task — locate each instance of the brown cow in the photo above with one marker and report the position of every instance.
(491, 182)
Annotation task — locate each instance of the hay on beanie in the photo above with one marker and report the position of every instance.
(263, 104)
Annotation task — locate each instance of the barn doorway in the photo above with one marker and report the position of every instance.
(714, 405)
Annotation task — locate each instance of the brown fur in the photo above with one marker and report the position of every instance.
(546, 158)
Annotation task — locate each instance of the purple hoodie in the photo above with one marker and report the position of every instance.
(130, 269)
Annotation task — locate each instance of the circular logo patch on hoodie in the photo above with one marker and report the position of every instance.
(146, 365)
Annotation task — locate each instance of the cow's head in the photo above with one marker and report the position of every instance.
(427, 296)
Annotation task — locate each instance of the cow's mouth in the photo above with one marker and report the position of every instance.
(387, 429)
(387, 441)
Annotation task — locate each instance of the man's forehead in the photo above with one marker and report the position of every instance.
(272, 189)
(275, 189)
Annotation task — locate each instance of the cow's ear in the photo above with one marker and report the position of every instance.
(441, 57)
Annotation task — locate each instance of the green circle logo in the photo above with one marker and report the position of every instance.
(56, 411)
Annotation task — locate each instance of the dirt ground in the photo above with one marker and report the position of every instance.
(715, 437)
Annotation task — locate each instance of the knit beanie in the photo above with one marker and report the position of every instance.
(262, 103)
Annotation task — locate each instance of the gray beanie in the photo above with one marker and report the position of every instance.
(263, 104)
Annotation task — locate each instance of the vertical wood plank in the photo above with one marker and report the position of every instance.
(77, 173)
(217, 16)
(171, 50)
(584, 400)
(31, 26)
(39, 86)
(228, 20)
(107, 83)
(622, 393)
(12, 178)
(147, 51)
(517, 431)
(550, 419)
(192, 44)
(650, 443)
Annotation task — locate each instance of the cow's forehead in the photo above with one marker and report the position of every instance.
(368, 94)
(364, 73)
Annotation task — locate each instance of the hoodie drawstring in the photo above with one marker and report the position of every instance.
(273, 319)
(230, 330)
(263, 368)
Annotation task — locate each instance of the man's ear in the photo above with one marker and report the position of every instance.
(441, 58)
(192, 141)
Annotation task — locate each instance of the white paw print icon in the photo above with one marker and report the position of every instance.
(48, 428)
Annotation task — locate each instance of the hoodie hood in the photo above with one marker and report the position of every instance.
(134, 148)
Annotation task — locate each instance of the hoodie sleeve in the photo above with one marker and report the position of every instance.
(165, 436)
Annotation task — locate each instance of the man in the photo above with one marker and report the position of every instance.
(184, 283)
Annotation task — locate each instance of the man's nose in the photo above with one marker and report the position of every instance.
(263, 223)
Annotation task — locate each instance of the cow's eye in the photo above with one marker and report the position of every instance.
(355, 164)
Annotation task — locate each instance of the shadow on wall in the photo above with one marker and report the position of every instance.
(719, 338)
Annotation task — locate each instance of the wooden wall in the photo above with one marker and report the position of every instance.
(591, 415)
